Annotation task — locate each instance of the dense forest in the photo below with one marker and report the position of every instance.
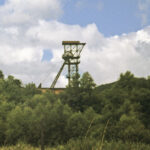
(83, 117)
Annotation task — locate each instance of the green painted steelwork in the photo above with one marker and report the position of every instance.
(71, 56)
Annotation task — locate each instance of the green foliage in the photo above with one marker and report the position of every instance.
(79, 95)
(126, 80)
(87, 82)
(76, 118)
(1, 75)
(30, 90)
(5, 108)
(17, 125)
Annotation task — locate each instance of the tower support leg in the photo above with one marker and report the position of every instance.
(69, 73)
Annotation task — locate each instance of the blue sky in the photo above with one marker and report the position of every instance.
(47, 56)
(112, 17)
(2, 2)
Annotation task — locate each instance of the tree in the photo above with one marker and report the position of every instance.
(132, 129)
(79, 95)
(30, 90)
(1, 75)
(87, 82)
(13, 89)
(5, 109)
(75, 83)
(48, 119)
(126, 81)
(142, 97)
(15, 126)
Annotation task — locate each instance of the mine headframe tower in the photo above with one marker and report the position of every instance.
(71, 57)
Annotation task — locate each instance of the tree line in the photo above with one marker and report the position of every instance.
(82, 111)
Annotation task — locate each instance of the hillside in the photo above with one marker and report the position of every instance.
(115, 112)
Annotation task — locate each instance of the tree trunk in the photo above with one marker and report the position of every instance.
(42, 139)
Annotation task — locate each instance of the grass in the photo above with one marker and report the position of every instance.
(89, 144)
(20, 146)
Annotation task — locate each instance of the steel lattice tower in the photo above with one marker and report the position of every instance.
(71, 57)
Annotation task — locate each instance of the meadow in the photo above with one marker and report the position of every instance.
(78, 145)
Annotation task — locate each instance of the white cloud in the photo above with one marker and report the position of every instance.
(104, 58)
(21, 47)
(16, 12)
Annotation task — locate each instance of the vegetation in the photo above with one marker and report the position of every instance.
(83, 117)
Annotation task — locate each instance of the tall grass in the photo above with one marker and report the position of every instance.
(92, 144)
(89, 144)
(103, 136)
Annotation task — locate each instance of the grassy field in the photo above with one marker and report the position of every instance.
(87, 145)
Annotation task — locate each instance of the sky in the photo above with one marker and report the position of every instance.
(117, 34)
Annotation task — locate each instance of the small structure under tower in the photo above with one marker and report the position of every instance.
(71, 56)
